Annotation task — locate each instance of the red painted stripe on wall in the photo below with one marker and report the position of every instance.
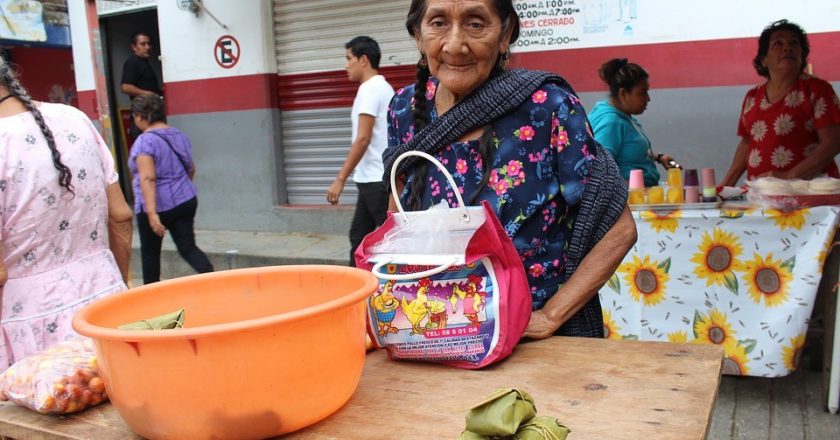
(692, 64)
(331, 89)
(87, 103)
(247, 92)
(710, 63)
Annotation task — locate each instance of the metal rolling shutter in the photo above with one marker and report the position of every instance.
(310, 37)
(315, 143)
(114, 7)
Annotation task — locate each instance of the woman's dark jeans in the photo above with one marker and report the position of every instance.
(179, 222)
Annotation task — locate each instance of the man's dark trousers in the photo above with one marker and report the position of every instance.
(371, 208)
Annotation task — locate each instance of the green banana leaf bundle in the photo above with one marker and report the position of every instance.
(510, 414)
(162, 322)
(501, 413)
(542, 428)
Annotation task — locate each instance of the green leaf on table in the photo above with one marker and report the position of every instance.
(630, 337)
(501, 413)
(162, 322)
(542, 428)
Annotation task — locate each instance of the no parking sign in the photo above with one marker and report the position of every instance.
(226, 51)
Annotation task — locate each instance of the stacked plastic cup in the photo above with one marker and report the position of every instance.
(675, 186)
(709, 185)
(655, 195)
(637, 188)
(692, 193)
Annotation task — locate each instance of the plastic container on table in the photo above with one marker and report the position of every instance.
(263, 351)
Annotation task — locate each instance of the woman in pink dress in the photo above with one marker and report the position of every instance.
(65, 227)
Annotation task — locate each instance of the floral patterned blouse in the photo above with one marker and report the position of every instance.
(55, 244)
(544, 153)
(784, 133)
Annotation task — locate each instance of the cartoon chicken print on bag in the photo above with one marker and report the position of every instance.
(417, 309)
(437, 315)
(385, 306)
(472, 298)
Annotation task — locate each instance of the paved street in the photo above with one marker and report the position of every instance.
(786, 408)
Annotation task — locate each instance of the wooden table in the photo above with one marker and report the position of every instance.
(598, 388)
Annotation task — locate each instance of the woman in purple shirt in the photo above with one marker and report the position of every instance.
(164, 194)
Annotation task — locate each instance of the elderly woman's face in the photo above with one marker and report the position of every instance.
(461, 40)
(784, 54)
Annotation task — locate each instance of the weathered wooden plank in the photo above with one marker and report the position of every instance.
(723, 416)
(752, 408)
(640, 391)
(90, 424)
(600, 389)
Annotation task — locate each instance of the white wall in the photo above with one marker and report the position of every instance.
(188, 42)
(554, 24)
(82, 55)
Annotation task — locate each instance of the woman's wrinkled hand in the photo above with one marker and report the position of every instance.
(156, 225)
(540, 326)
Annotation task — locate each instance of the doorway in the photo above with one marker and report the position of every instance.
(116, 31)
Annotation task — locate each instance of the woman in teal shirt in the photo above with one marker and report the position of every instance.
(615, 127)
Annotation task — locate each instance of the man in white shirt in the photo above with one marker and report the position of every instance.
(370, 138)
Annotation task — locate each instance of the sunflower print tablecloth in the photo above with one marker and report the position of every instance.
(746, 280)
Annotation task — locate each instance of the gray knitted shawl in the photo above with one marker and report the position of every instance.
(604, 196)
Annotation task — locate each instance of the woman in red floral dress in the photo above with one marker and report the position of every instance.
(790, 125)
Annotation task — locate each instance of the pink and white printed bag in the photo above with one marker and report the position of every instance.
(452, 286)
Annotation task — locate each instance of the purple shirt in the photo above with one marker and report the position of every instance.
(172, 181)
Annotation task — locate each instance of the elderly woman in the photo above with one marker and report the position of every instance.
(519, 140)
(65, 228)
(790, 124)
(615, 127)
(164, 194)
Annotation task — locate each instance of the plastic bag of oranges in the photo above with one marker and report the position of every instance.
(62, 379)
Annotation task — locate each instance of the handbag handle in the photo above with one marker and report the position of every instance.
(183, 164)
(409, 276)
(440, 167)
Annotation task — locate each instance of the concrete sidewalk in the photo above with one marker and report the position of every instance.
(238, 249)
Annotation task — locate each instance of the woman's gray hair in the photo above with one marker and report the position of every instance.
(149, 107)
(9, 80)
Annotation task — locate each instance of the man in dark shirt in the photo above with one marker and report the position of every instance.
(138, 78)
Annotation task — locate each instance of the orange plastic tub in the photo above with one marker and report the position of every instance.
(264, 351)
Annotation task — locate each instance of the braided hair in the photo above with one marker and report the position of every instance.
(9, 80)
(421, 111)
